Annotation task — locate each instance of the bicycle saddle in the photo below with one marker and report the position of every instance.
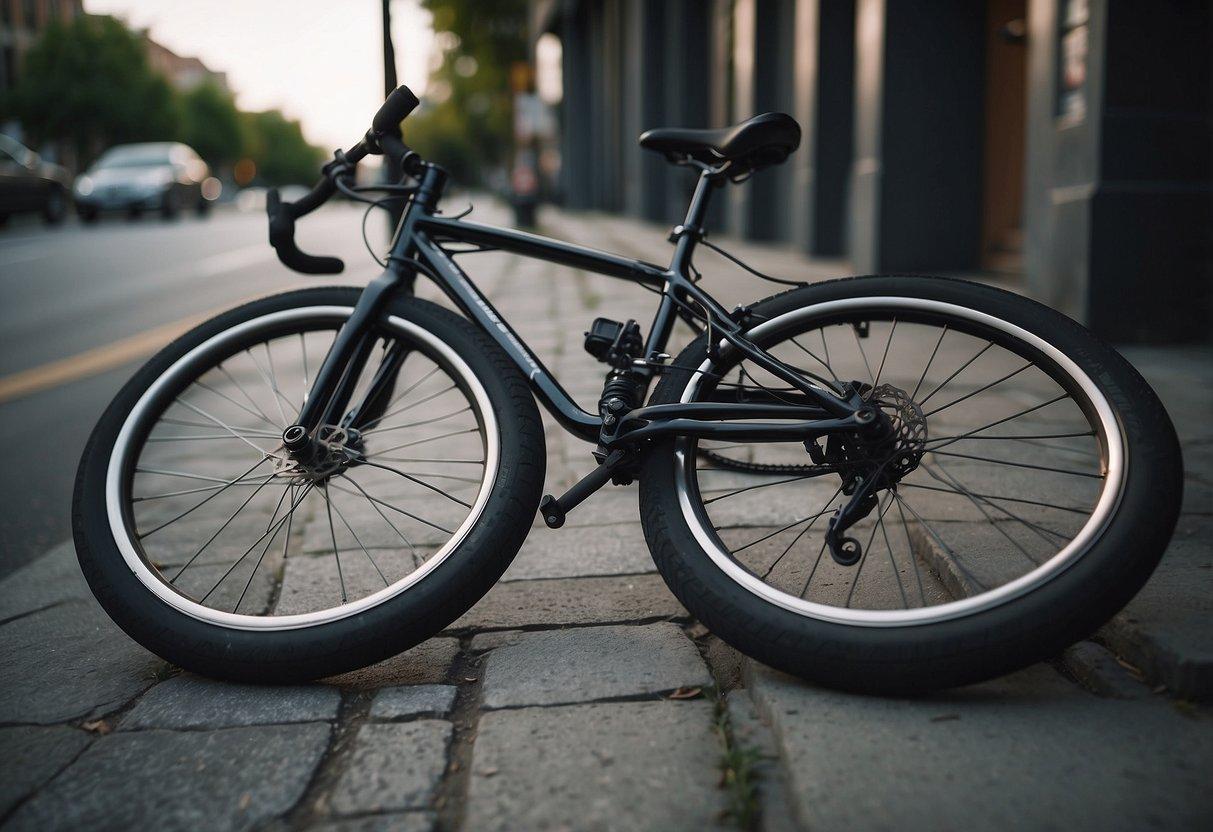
(765, 139)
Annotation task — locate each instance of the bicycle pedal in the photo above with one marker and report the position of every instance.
(553, 513)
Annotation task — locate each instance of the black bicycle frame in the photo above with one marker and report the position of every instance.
(417, 247)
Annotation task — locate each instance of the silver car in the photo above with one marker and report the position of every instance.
(152, 176)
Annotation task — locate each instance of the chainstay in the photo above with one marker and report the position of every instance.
(765, 467)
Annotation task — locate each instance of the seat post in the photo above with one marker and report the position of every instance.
(687, 235)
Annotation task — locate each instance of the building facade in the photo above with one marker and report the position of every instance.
(21, 22)
(1065, 143)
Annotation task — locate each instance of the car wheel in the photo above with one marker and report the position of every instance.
(55, 208)
(86, 214)
(170, 205)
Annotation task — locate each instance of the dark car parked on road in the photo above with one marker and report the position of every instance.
(153, 176)
(27, 183)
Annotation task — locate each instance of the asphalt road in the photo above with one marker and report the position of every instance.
(82, 306)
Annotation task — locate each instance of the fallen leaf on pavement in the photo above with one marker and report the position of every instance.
(98, 726)
(685, 693)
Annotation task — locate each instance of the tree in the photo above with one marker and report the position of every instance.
(89, 82)
(467, 124)
(278, 149)
(210, 123)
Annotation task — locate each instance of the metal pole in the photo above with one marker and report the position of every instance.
(391, 169)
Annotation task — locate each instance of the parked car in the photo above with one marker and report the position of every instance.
(152, 176)
(28, 183)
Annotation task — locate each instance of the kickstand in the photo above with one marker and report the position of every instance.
(555, 510)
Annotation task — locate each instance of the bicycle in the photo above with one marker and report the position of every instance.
(981, 486)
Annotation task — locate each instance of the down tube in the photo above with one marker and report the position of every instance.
(477, 307)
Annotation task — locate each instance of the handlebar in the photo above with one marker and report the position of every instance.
(383, 137)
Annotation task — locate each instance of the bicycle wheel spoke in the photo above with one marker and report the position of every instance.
(333, 536)
(885, 355)
(953, 557)
(979, 390)
(813, 571)
(802, 533)
(226, 485)
(247, 551)
(422, 442)
(905, 602)
(259, 432)
(200, 490)
(223, 425)
(863, 558)
(397, 508)
(357, 539)
(793, 524)
(274, 393)
(1072, 509)
(905, 527)
(218, 532)
(1016, 464)
(930, 360)
(423, 422)
(825, 363)
(245, 393)
(412, 549)
(759, 485)
(388, 412)
(977, 504)
(960, 370)
(864, 355)
(422, 483)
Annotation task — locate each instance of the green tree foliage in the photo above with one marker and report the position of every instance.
(467, 123)
(210, 123)
(89, 82)
(278, 149)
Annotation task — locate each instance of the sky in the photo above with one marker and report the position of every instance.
(319, 61)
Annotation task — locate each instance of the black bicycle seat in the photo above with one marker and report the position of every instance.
(765, 139)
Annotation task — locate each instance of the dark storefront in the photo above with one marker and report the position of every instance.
(1064, 144)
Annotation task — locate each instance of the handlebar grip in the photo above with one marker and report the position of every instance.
(282, 238)
(394, 110)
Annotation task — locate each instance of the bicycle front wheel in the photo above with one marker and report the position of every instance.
(206, 542)
(1034, 483)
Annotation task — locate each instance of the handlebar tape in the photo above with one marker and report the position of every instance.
(282, 238)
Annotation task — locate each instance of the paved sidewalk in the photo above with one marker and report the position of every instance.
(578, 694)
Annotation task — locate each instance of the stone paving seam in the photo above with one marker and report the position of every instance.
(467, 674)
(311, 807)
(4, 818)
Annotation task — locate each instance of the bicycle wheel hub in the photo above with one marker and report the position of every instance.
(316, 458)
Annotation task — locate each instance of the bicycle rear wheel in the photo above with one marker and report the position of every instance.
(1034, 488)
(211, 546)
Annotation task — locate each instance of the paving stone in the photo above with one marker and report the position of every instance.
(589, 663)
(567, 601)
(394, 766)
(232, 779)
(1167, 630)
(30, 756)
(1095, 668)
(403, 822)
(1028, 751)
(426, 664)
(578, 552)
(413, 700)
(607, 766)
(68, 662)
(51, 579)
(189, 701)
